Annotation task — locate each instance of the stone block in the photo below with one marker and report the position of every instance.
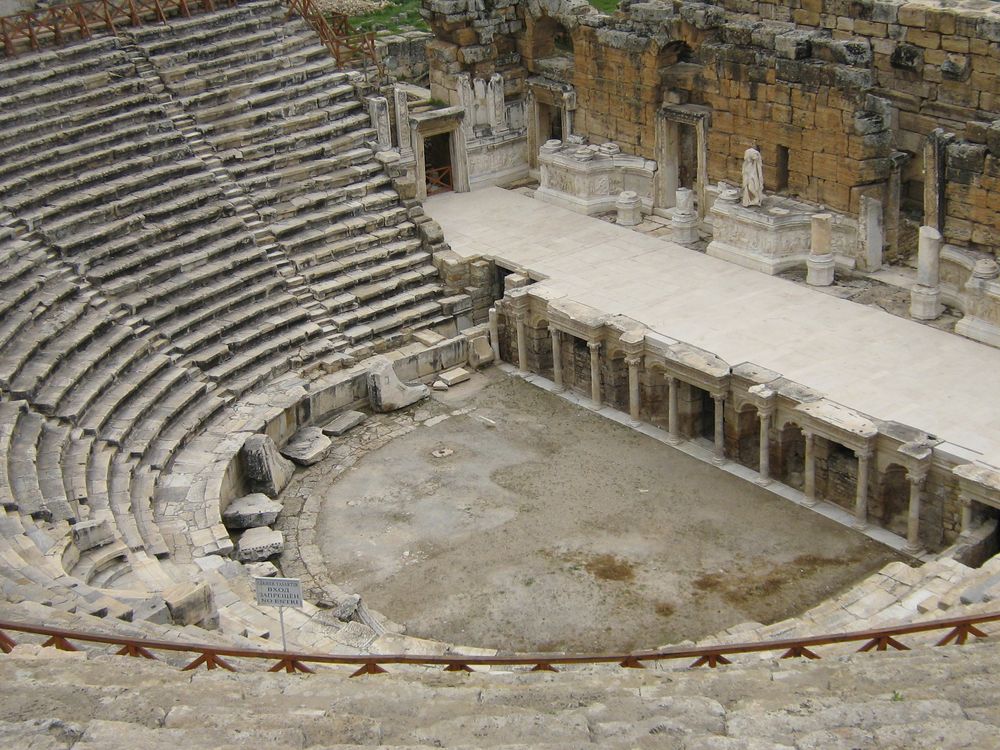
(262, 570)
(256, 545)
(90, 534)
(456, 376)
(307, 446)
(480, 352)
(251, 511)
(265, 469)
(344, 422)
(385, 390)
(190, 603)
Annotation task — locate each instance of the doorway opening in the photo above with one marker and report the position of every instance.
(437, 164)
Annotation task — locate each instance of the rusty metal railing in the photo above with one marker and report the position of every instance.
(959, 630)
(439, 180)
(58, 24)
(336, 33)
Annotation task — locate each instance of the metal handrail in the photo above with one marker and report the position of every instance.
(34, 29)
(337, 35)
(214, 657)
(84, 18)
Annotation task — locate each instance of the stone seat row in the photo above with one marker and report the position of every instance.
(48, 66)
(53, 116)
(265, 80)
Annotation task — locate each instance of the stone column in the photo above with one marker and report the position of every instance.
(925, 294)
(809, 470)
(402, 106)
(720, 434)
(764, 471)
(522, 343)
(684, 221)
(633, 388)
(966, 503)
(494, 334)
(557, 373)
(861, 495)
(378, 111)
(673, 411)
(595, 372)
(497, 109)
(819, 264)
(917, 478)
(629, 209)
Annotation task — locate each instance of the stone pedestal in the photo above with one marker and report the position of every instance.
(684, 221)
(925, 302)
(820, 263)
(629, 208)
(925, 294)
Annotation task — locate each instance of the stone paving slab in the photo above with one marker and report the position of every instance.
(885, 366)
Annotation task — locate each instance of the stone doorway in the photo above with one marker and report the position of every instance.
(892, 502)
(437, 164)
(550, 126)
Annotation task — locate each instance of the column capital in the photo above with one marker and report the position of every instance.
(864, 453)
(718, 397)
(917, 475)
(556, 332)
(633, 360)
(965, 500)
(594, 346)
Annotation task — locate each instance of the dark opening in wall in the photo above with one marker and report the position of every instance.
(781, 169)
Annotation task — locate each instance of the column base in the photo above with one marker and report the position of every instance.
(810, 502)
(763, 481)
(916, 550)
(718, 460)
(924, 302)
(859, 525)
(594, 405)
(635, 423)
(820, 270)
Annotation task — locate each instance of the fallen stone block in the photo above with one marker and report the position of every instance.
(385, 390)
(190, 603)
(251, 511)
(307, 446)
(262, 570)
(256, 545)
(266, 470)
(90, 534)
(439, 385)
(456, 376)
(344, 422)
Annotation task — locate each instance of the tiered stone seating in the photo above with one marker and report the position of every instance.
(288, 127)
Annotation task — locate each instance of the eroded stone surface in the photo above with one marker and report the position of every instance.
(266, 470)
(385, 390)
(307, 446)
(251, 511)
(259, 544)
(343, 422)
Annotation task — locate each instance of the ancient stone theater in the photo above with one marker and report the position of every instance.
(565, 376)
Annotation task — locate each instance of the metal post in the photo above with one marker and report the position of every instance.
(281, 619)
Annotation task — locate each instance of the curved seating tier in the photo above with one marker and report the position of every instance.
(187, 212)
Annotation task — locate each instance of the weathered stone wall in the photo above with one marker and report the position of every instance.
(840, 96)
(972, 188)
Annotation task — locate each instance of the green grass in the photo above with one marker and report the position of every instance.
(391, 17)
(605, 6)
(407, 13)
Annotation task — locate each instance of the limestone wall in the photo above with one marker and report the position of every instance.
(840, 96)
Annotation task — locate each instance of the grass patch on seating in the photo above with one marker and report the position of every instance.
(605, 6)
(392, 17)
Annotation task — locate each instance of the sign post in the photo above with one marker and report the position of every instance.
(280, 593)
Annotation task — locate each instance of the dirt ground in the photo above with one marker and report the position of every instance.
(513, 519)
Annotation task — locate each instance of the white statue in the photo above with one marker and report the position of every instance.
(753, 178)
